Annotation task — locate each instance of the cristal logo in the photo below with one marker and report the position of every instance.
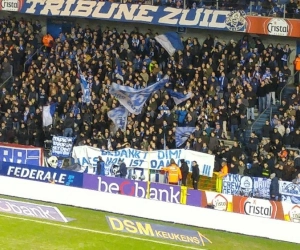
(278, 26)
(294, 214)
(220, 203)
(261, 208)
(11, 5)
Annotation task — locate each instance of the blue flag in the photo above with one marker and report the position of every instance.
(182, 134)
(119, 117)
(134, 99)
(119, 68)
(170, 41)
(85, 89)
(86, 92)
(179, 97)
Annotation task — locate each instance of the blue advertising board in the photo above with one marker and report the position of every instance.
(41, 174)
(157, 15)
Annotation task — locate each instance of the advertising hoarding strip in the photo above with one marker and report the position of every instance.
(144, 208)
(273, 26)
(41, 174)
(157, 15)
(30, 209)
(201, 18)
(159, 192)
(156, 230)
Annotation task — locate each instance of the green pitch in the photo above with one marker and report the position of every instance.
(90, 231)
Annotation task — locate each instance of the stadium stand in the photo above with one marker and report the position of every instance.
(241, 91)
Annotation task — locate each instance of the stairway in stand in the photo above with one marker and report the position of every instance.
(268, 113)
(260, 120)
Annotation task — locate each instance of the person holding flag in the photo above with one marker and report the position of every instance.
(85, 88)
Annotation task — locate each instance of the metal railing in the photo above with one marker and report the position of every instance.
(289, 81)
(31, 57)
(251, 129)
(8, 79)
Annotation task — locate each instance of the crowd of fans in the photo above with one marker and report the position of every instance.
(227, 79)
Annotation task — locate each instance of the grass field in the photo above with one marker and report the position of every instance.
(90, 231)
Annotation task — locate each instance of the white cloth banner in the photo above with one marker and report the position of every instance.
(142, 160)
(62, 146)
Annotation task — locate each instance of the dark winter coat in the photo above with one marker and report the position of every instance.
(195, 173)
(184, 170)
(274, 187)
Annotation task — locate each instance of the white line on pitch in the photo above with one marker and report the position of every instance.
(101, 232)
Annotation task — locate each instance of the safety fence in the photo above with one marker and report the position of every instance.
(22, 161)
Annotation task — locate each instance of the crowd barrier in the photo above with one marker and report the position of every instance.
(152, 209)
(155, 191)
